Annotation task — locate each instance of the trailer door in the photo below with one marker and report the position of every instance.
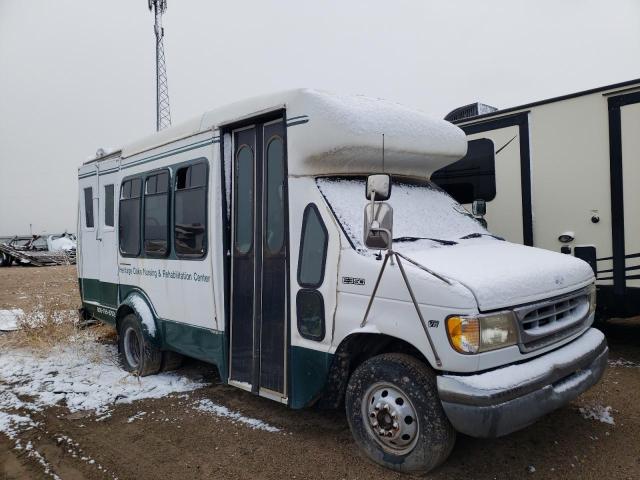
(259, 289)
(624, 124)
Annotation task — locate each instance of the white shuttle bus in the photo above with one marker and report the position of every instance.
(277, 239)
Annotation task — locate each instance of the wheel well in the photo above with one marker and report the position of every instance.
(122, 312)
(352, 352)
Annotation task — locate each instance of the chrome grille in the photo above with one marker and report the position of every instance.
(543, 323)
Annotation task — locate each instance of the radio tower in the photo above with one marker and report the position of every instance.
(163, 115)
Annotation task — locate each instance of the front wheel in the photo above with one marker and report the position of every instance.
(395, 414)
(137, 355)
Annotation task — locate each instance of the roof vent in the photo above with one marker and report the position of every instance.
(469, 111)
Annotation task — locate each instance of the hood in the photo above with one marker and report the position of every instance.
(502, 274)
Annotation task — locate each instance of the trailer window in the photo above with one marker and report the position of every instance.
(108, 206)
(313, 248)
(129, 217)
(156, 213)
(190, 227)
(473, 177)
(88, 207)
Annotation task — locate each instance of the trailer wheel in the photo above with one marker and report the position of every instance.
(171, 361)
(395, 414)
(136, 354)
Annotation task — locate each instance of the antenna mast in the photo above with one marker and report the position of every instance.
(163, 115)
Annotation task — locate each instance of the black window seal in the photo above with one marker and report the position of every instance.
(148, 175)
(311, 291)
(205, 187)
(305, 218)
(266, 249)
(235, 201)
(113, 206)
(120, 200)
(93, 220)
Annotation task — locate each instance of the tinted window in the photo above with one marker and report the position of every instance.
(108, 205)
(473, 177)
(156, 212)
(275, 196)
(129, 217)
(244, 200)
(313, 249)
(88, 207)
(190, 227)
(310, 313)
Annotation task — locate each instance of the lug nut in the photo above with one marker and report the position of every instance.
(395, 424)
(386, 407)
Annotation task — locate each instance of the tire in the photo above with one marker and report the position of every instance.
(5, 260)
(137, 355)
(394, 390)
(171, 361)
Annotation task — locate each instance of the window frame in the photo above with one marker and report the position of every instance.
(305, 219)
(311, 291)
(266, 247)
(93, 217)
(173, 184)
(138, 176)
(234, 237)
(143, 251)
(105, 225)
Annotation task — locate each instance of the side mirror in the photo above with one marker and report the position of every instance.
(378, 226)
(379, 186)
(479, 208)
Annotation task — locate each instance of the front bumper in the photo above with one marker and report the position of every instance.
(507, 399)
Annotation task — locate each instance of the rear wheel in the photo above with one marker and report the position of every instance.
(137, 355)
(395, 414)
(5, 260)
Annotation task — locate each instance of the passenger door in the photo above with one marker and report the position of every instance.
(259, 244)
(107, 238)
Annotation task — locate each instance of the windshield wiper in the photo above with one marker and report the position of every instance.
(437, 240)
(478, 235)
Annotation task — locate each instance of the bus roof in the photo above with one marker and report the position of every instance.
(335, 134)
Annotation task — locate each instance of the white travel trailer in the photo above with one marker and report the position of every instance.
(561, 174)
(238, 239)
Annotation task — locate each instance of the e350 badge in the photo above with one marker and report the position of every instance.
(353, 281)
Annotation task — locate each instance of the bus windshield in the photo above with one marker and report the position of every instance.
(424, 216)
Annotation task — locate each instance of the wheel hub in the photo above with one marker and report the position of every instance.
(392, 419)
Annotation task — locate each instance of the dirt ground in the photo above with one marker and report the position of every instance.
(172, 441)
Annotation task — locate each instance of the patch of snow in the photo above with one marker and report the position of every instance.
(33, 453)
(515, 375)
(598, 412)
(137, 416)
(85, 377)
(11, 424)
(208, 406)
(621, 362)
(9, 319)
(144, 312)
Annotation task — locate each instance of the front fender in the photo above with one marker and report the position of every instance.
(141, 306)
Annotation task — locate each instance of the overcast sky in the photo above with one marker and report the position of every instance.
(76, 75)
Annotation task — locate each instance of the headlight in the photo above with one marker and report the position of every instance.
(481, 333)
(592, 299)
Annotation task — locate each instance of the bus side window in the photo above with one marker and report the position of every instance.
(156, 214)
(108, 205)
(190, 211)
(473, 177)
(129, 217)
(311, 265)
(88, 207)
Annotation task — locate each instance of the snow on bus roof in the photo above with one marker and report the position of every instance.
(329, 133)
